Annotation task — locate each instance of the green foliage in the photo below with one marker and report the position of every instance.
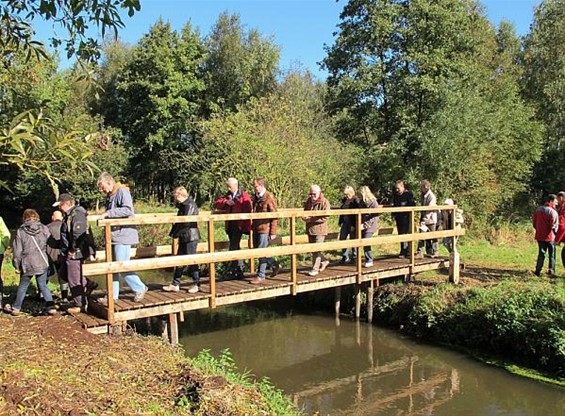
(430, 90)
(274, 400)
(544, 87)
(522, 319)
(73, 16)
(239, 64)
(283, 137)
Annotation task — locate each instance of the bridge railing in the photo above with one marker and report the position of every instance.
(292, 245)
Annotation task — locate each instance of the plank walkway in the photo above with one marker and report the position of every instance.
(158, 302)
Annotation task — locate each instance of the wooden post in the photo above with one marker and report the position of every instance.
(175, 246)
(412, 244)
(109, 276)
(359, 249)
(357, 300)
(252, 259)
(337, 300)
(370, 293)
(454, 258)
(293, 258)
(174, 328)
(181, 316)
(212, 265)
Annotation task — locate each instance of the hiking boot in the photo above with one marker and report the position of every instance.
(257, 281)
(313, 272)
(193, 289)
(171, 288)
(276, 269)
(323, 265)
(140, 295)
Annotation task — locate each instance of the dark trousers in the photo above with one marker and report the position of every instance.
(543, 248)
(403, 227)
(432, 246)
(187, 247)
(234, 235)
(77, 282)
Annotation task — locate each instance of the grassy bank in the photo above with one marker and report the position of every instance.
(500, 311)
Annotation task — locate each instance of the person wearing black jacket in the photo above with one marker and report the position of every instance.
(403, 198)
(75, 249)
(347, 223)
(189, 236)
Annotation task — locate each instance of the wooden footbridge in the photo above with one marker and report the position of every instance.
(290, 281)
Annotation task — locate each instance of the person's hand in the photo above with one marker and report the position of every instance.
(422, 223)
(306, 219)
(103, 215)
(230, 202)
(273, 236)
(363, 227)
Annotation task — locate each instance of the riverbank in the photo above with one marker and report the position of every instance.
(50, 365)
(503, 316)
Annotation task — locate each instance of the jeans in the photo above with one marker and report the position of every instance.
(432, 246)
(344, 232)
(188, 247)
(367, 249)
(41, 284)
(317, 256)
(262, 241)
(403, 227)
(1, 281)
(122, 252)
(234, 235)
(549, 248)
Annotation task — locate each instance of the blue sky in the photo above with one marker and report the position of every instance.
(299, 27)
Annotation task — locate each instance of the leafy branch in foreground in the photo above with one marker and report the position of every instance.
(32, 142)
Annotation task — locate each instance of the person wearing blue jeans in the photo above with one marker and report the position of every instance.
(546, 221)
(119, 204)
(264, 229)
(30, 259)
(347, 223)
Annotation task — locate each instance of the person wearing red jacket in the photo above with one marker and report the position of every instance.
(560, 236)
(235, 201)
(546, 221)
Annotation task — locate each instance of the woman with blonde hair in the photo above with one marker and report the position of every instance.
(30, 259)
(347, 223)
(369, 222)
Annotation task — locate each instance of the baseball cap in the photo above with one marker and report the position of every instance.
(63, 198)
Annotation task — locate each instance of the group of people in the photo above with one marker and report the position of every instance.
(548, 221)
(62, 246)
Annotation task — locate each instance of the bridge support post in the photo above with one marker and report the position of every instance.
(357, 301)
(454, 266)
(370, 293)
(173, 328)
(337, 300)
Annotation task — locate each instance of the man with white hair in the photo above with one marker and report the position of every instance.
(235, 201)
(317, 227)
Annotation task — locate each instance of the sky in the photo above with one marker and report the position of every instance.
(300, 28)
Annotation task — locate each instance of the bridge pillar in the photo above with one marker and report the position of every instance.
(370, 294)
(454, 266)
(337, 300)
(173, 328)
(357, 301)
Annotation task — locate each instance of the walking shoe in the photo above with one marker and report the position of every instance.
(51, 311)
(73, 309)
(103, 301)
(419, 256)
(276, 269)
(171, 288)
(257, 281)
(344, 260)
(91, 285)
(14, 312)
(368, 264)
(193, 289)
(323, 265)
(313, 272)
(140, 295)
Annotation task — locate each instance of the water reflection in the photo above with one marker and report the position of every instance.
(349, 368)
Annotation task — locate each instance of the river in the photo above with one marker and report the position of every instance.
(343, 367)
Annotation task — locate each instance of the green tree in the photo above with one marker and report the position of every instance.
(159, 95)
(239, 64)
(544, 87)
(284, 137)
(430, 90)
